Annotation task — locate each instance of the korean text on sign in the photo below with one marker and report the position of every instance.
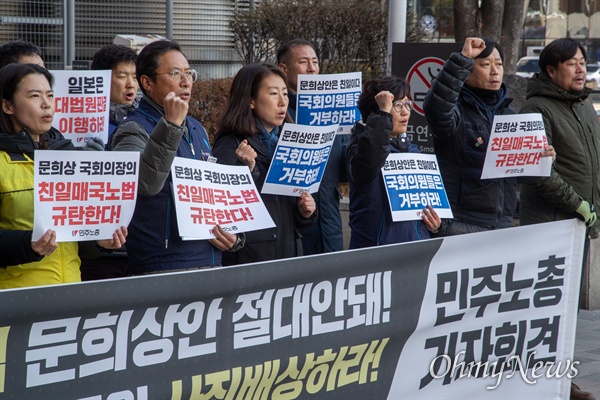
(299, 160)
(515, 147)
(84, 195)
(208, 194)
(329, 100)
(82, 104)
(413, 182)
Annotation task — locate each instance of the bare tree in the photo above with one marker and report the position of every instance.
(500, 20)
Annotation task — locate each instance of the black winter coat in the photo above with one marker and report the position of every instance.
(461, 124)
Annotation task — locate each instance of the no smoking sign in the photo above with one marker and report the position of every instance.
(420, 76)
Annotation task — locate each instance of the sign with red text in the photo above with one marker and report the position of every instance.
(413, 182)
(208, 194)
(329, 100)
(300, 159)
(82, 103)
(516, 146)
(84, 195)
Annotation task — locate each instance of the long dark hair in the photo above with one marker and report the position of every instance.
(10, 79)
(238, 118)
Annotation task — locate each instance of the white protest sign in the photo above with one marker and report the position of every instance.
(516, 146)
(329, 99)
(82, 102)
(84, 195)
(299, 160)
(208, 194)
(412, 182)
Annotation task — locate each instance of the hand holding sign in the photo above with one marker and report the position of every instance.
(46, 244)
(117, 241)
(246, 154)
(306, 205)
(223, 240)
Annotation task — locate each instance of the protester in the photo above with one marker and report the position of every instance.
(26, 117)
(298, 57)
(558, 92)
(123, 90)
(385, 110)
(161, 130)
(248, 135)
(460, 108)
(123, 83)
(572, 190)
(20, 52)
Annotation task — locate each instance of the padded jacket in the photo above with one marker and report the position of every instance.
(461, 124)
(573, 129)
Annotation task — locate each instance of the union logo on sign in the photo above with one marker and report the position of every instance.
(420, 76)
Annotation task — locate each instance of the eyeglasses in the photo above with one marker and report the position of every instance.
(177, 75)
(408, 104)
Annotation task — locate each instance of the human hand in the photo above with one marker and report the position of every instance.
(175, 109)
(385, 101)
(246, 154)
(306, 205)
(94, 144)
(117, 241)
(587, 212)
(46, 244)
(473, 47)
(431, 219)
(223, 240)
(549, 152)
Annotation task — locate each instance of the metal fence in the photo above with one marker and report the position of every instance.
(73, 30)
(200, 26)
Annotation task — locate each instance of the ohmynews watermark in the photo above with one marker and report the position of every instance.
(529, 372)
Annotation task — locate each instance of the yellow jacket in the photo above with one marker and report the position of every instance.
(16, 213)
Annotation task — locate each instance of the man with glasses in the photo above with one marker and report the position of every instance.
(460, 108)
(161, 130)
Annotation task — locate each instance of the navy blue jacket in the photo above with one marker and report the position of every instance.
(327, 234)
(371, 221)
(153, 243)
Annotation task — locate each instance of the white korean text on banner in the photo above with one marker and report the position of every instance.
(413, 182)
(208, 194)
(83, 195)
(299, 160)
(82, 104)
(516, 146)
(329, 100)
(401, 321)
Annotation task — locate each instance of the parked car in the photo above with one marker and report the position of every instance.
(527, 66)
(593, 76)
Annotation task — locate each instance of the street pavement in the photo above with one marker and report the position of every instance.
(587, 351)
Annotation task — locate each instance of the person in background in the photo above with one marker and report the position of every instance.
(385, 109)
(572, 190)
(123, 83)
(23, 52)
(26, 115)
(20, 52)
(123, 90)
(161, 130)
(460, 108)
(298, 57)
(248, 135)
